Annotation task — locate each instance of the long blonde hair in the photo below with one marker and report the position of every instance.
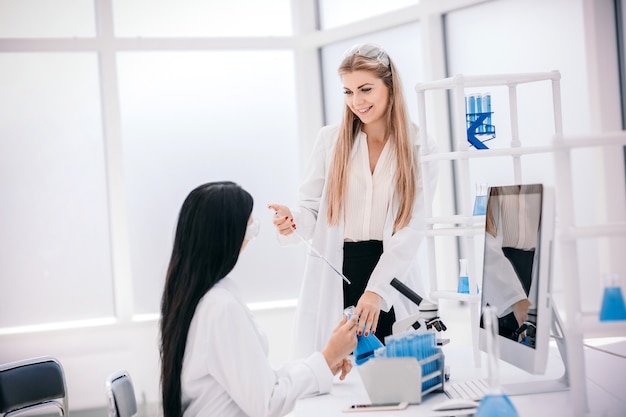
(397, 128)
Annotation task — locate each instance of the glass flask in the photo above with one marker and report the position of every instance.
(612, 301)
(480, 201)
(366, 345)
(463, 285)
(495, 403)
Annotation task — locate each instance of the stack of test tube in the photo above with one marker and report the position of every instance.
(475, 105)
(478, 119)
(420, 345)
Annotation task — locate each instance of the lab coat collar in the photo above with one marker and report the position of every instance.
(231, 286)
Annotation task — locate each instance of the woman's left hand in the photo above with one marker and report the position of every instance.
(345, 366)
(368, 311)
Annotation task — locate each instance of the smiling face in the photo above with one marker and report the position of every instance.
(366, 95)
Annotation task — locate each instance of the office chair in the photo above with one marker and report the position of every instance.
(121, 400)
(32, 384)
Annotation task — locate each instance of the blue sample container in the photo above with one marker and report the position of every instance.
(613, 307)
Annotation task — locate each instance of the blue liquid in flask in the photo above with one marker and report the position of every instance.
(463, 287)
(366, 347)
(494, 405)
(613, 305)
(463, 284)
(480, 205)
(480, 201)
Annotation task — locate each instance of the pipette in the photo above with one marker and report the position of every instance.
(302, 238)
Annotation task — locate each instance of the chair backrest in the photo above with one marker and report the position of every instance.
(120, 392)
(32, 384)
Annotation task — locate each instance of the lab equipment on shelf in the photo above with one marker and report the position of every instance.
(613, 307)
(480, 200)
(463, 284)
(478, 120)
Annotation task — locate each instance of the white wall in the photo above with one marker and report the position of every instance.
(91, 354)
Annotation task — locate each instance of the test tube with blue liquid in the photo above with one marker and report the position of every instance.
(613, 307)
(420, 345)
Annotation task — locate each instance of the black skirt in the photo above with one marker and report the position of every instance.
(359, 260)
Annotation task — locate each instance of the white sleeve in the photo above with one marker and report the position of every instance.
(312, 187)
(238, 362)
(501, 286)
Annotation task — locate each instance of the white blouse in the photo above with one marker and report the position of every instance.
(368, 196)
(520, 217)
(226, 371)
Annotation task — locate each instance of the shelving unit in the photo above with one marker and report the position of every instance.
(467, 227)
(464, 225)
(579, 323)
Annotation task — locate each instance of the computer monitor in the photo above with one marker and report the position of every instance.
(519, 230)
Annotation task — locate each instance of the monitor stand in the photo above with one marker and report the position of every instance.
(553, 385)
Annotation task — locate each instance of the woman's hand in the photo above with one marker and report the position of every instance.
(368, 311)
(345, 366)
(283, 219)
(520, 311)
(342, 342)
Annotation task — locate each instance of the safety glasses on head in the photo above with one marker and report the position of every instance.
(369, 50)
(253, 228)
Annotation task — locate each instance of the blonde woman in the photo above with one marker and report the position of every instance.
(360, 205)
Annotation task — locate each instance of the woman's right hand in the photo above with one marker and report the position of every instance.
(342, 342)
(283, 219)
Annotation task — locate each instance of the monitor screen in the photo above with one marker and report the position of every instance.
(519, 227)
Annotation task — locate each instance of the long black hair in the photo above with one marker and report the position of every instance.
(209, 235)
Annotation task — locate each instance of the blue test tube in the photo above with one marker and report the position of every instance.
(410, 343)
(391, 346)
(472, 104)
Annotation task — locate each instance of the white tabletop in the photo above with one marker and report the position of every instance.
(606, 387)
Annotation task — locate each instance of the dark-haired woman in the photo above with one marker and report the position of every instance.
(214, 357)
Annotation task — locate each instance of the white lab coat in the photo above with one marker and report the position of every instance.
(501, 285)
(226, 371)
(320, 303)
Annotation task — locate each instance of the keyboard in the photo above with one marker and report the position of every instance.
(473, 389)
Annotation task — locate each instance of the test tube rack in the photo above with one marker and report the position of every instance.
(478, 120)
(401, 378)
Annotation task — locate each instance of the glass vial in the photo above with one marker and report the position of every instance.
(463, 285)
(612, 300)
(495, 403)
(480, 201)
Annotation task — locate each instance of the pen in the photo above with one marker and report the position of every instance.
(316, 252)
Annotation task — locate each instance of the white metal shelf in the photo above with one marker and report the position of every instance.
(568, 232)
(592, 327)
(488, 153)
(453, 295)
(457, 219)
(580, 324)
(592, 231)
(487, 80)
(461, 154)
